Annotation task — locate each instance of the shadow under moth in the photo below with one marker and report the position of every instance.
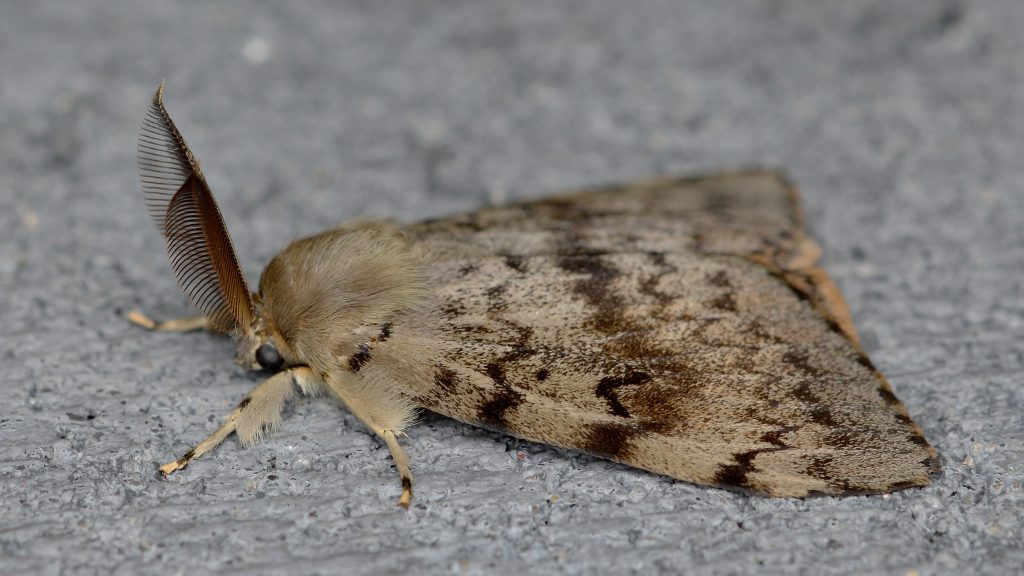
(680, 326)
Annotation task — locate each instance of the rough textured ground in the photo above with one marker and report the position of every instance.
(903, 123)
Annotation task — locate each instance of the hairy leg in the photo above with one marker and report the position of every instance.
(186, 324)
(259, 411)
(384, 412)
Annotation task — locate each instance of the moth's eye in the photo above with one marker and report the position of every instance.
(268, 356)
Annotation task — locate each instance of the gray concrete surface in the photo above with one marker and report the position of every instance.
(903, 123)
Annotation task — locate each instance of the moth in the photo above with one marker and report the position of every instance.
(679, 326)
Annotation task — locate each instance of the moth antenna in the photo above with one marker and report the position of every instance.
(183, 209)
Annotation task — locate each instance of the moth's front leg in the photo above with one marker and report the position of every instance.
(259, 411)
(186, 324)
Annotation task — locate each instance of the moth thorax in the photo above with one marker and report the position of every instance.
(320, 292)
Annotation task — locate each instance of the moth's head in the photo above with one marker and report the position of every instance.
(261, 347)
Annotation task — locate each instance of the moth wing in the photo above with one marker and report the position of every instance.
(754, 214)
(677, 326)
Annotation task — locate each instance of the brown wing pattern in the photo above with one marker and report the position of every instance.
(183, 209)
(677, 326)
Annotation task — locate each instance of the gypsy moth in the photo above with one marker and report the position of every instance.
(678, 325)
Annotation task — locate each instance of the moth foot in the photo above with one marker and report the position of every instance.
(401, 463)
(140, 319)
(170, 468)
(406, 497)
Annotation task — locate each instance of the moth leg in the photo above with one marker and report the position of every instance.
(260, 410)
(401, 463)
(186, 324)
(387, 415)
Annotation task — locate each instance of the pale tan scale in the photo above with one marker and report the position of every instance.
(679, 326)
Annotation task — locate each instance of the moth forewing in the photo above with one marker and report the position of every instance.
(679, 325)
